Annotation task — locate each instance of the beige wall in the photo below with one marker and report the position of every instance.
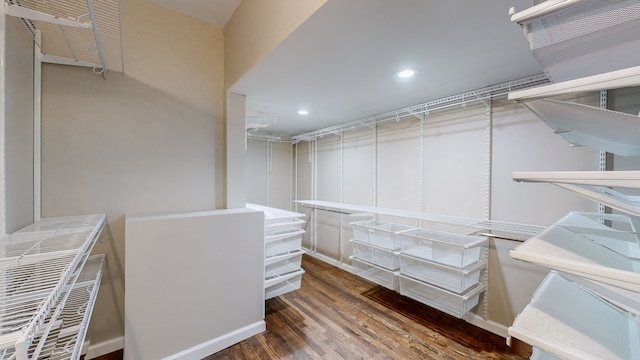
(256, 28)
(181, 56)
(148, 140)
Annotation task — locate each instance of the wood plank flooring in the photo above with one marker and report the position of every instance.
(337, 315)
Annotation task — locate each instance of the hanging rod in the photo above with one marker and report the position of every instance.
(479, 95)
(267, 137)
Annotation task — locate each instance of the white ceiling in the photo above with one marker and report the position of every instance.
(340, 64)
(216, 12)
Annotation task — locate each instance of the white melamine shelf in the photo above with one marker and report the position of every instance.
(611, 80)
(573, 252)
(38, 265)
(566, 320)
(594, 185)
(273, 216)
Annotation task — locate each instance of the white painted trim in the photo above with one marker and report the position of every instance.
(61, 60)
(328, 260)
(489, 325)
(214, 345)
(37, 126)
(3, 115)
(105, 347)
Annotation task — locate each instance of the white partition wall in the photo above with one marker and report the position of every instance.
(194, 282)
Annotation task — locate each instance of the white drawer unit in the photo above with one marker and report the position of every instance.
(48, 285)
(437, 268)
(283, 252)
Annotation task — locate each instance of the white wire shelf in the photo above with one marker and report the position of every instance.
(482, 95)
(66, 339)
(74, 32)
(37, 267)
(574, 39)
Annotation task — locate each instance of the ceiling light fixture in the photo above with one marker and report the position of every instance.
(406, 73)
(303, 112)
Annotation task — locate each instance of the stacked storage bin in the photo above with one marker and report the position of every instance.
(442, 269)
(375, 251)
(283, 250)
(437, 268)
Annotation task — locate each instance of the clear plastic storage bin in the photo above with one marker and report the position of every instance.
(283, 242)
(378, 275)
(379, 233)
(388, 259)
(282, 264)
(446, 277)
(442, 247)
(453, 304)
(538, 354)
(282, 284)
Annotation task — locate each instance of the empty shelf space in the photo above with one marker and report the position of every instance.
(612, 188)
(583, 125)
(568, 321)
(563, 249)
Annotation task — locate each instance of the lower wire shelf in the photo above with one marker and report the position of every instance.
(69, 323)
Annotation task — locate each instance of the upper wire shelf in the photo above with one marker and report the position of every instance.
(482, 95)
(74, 32)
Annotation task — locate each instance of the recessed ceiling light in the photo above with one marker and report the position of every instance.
(303, 112)
(406, 73)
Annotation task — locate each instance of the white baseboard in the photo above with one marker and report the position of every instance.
(489, 325)
(329, 260)
(214, 345)
(105, 347)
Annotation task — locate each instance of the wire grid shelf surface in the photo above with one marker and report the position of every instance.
(583, 18)
(479, 95)
(507, 230)
(36, 268)
(69, 328)
(94, 44)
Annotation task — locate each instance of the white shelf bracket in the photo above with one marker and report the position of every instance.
(61, 60)
(25, 13)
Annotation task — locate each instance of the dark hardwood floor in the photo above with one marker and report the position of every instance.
(337, 315)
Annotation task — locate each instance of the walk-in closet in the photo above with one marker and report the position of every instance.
(322, 179)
